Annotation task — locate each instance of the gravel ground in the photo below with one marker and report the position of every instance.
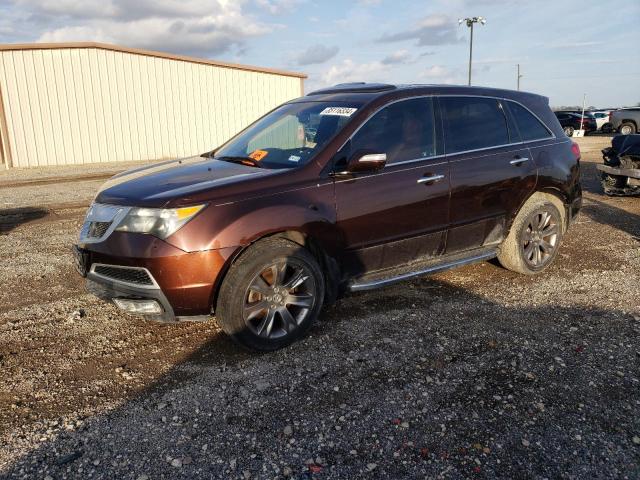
(473, 373)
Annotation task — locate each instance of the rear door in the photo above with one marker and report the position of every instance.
(492, 173)
(400, 213)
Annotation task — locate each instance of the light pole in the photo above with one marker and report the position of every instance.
(519, 76)
(470, 22)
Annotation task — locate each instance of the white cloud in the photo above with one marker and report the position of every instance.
(399, 56)
(277, 7)
(350, 71)
(316, 54)
(438, 74)
(193, 27)
(431, 30)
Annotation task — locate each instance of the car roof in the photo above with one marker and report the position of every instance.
(362, 92)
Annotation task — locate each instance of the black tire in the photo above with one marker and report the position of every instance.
(627, 128)
(613, 181)
(607, 128)
(568, 131)
(531, 246)
(255, 296)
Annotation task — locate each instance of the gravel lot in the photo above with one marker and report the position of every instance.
(473, 373)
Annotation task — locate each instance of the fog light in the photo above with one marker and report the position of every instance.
(141, 307)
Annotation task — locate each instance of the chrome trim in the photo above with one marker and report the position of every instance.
(359, 287)
(384, 171)
(96, 213)
(373, 157)
(414, 160)
(431, 179)
(93, 272)
(483, 149)
(518, 161)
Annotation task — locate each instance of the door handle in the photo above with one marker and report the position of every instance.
(431, 179)
(518, 160)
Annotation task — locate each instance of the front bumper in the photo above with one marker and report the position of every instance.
(182, 283)
(110, 290)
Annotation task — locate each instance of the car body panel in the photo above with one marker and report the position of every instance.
(485, 189)
(376, 211)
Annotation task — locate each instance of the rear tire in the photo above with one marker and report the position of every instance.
(568, 131)
(627, 128)
(271, 296)
(534, 238)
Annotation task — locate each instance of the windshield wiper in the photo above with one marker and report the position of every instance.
(242, 160)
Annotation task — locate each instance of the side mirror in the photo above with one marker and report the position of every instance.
(366, 161)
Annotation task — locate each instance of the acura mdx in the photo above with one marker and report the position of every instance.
(349, 188)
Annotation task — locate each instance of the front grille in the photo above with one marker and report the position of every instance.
(98, 229)
(137, 276)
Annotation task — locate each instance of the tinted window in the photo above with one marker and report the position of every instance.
(529, 126)
(403, 130)
(472, 123)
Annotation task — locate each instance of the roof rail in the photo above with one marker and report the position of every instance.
(356, 87)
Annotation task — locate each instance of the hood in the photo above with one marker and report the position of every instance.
(156, 185)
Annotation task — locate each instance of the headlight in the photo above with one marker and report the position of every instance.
(160, 222)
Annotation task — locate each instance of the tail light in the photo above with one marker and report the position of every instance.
(575, 149)
(610, 115)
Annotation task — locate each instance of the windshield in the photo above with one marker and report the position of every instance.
(289, 136)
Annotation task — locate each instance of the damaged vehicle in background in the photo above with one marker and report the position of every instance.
(621, 168)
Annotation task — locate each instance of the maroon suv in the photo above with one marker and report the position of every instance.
(349, 188)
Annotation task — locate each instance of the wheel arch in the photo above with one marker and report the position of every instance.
(555, 196)
(328, 264)
(628, 120)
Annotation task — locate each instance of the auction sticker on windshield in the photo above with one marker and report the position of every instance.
(340, 111)
(258, 155)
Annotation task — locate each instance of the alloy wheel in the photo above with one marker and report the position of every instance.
(278, 299)
(540, 238)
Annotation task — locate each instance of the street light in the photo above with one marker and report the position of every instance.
(470, 22)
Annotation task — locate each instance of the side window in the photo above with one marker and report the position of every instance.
(404, 131)
(472, 123)
(529, 126)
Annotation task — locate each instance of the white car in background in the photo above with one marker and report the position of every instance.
(602, 117)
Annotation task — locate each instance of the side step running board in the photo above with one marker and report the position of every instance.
(362, 284)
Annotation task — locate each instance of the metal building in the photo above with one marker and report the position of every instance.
(75, 103)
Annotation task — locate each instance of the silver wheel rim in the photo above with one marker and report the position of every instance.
(568, 131)
(540, 238)
(626, 130)
(279, 299)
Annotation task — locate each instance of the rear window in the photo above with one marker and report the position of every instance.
(473, 123)
(529, 126)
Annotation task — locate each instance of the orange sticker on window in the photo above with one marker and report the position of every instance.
(258, 155)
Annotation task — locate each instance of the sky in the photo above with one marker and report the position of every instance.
(565, 49)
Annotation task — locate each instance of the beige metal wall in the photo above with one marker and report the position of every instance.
(101, 103)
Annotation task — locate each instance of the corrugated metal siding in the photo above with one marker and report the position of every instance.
(88, 105)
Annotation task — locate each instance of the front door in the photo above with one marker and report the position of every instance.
(492, 173)
(400, 213)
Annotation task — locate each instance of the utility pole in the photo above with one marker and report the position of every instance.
(470, 22)
(519, 76)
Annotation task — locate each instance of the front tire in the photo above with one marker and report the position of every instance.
(627, 128)
(271, 296)
(568, 131)
(534, 238)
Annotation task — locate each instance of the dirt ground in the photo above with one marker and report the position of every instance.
(473, 373)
